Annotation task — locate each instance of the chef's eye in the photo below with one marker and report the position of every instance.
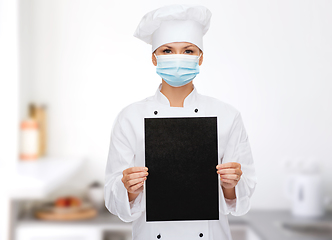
(188, 51)
(167, 51)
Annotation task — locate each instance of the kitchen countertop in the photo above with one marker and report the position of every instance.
(37, 179)
(266, 224)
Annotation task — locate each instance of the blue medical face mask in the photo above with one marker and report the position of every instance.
(177, 69)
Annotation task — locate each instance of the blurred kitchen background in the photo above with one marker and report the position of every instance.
(67, 67)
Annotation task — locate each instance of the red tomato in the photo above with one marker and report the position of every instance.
(61, 202)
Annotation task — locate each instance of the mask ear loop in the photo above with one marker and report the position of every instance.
(156, 57)
(199, 57)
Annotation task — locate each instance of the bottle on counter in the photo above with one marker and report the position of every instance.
(29, 139)
(33, 133)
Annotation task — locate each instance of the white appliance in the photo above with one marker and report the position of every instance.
(305, 188)
(306, 194)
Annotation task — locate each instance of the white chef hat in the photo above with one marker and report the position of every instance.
(174, 23)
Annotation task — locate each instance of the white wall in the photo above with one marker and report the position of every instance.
(269, 59)
(9, 94)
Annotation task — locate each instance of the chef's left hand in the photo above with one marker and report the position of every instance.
(230, 174)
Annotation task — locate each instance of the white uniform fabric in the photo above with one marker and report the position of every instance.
(174, 23)
(127, 150)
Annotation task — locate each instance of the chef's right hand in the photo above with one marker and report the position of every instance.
(133, 180)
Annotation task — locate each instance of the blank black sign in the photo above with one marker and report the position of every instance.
(181, 154)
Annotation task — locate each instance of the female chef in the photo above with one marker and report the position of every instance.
(176, 35)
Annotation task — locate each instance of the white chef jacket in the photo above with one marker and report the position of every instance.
(127, 150)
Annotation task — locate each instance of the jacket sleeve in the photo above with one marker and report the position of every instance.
(238, 150)
(120, 157)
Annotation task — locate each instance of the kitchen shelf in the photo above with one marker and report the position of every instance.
(104, 221)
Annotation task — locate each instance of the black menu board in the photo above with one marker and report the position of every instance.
(182, 155)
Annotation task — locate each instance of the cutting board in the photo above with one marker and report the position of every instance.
(85, 211)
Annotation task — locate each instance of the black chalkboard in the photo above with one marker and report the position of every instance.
(181, 154)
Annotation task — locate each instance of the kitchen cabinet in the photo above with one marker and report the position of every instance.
(270, 225)
(103, 227)
(56, 232)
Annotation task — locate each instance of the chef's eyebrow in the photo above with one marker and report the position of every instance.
(191, 45)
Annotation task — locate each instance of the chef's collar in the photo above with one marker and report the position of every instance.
(190, 99)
